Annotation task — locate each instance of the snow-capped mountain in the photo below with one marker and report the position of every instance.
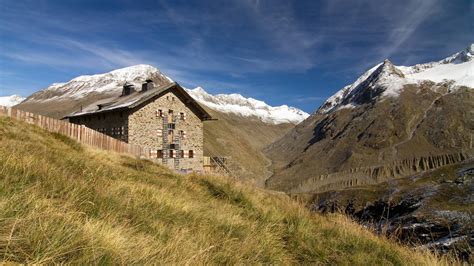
(248, 107)
(10, 101)
(83, 90)
(107, 83)
(387, 80)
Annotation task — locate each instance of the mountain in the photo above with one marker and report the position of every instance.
(60, 99)
(244, 126)
(12, 100)
(69, 96)
(248, 107)
(458, 69)
(394, 150)
(393, 121)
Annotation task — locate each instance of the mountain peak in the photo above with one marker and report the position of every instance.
(388, 68)
(248, 107)
(463, 56)
(11, 100)
(107, 83)
(386, 79)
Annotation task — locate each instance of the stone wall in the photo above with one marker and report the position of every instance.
(144, 126)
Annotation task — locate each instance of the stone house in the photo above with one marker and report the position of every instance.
(166, 119)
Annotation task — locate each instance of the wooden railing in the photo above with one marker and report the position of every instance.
(80, 133)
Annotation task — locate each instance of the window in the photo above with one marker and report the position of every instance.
(181, 154)
(182, 134)
(170, 116)
(172, 99)
(159, 154)
(172, 153)
(191, 154)
(159, 113)
(182, 116)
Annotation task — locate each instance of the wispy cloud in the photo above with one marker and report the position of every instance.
(414, 13)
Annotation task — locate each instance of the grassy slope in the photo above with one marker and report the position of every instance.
(243, 139)
(61, 202)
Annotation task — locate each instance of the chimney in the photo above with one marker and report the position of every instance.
(148, 85)
(128, 89)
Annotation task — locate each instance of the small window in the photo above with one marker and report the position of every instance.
(182, 134)
(159, 113)
(191, 154)
(182, 116)
(167, 98)
(172, 153)
(172, 99)
(159, 154)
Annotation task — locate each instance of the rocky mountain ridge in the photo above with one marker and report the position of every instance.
(391, 122)
(386, 79)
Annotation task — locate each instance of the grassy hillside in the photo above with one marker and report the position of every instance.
(242, 139)
(62, 202)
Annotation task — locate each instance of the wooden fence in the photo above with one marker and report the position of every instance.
(80, 133)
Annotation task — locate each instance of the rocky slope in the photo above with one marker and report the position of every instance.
(391, 122)
(432, 210)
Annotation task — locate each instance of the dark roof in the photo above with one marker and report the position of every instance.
(136, 99)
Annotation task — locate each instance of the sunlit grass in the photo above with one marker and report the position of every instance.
(64, 203)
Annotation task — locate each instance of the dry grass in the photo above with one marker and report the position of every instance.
(64, 203)
(242, 139)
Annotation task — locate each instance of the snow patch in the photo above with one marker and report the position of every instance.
(10, 101)
(108, 83)
(248, 107)
(457, 69)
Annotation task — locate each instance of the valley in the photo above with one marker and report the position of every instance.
(385, 150)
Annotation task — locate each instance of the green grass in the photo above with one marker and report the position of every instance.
(64, 203)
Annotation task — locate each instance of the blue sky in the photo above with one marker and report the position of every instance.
(296, 53)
